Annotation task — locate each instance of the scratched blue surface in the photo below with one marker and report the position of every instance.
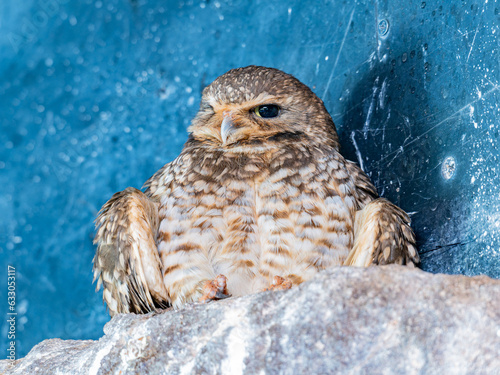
(95, 96)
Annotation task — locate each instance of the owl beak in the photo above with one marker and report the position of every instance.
(227, 127)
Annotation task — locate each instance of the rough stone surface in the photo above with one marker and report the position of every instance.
(387, 320)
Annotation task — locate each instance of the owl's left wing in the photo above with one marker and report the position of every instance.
(382, 232)
(364, 191)
(382, 235)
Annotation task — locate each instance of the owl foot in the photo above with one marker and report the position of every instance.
(280, 283)
(215, 289)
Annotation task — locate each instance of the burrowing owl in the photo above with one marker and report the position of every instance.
(260, 191)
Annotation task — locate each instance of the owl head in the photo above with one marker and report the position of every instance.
(255, 108)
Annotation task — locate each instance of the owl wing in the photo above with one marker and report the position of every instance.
(382, 232)
(159, 184)
(382, 235)
(365, 191)
(126, 262)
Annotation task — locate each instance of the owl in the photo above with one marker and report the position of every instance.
(259, 198)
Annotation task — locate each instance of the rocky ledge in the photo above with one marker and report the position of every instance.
(379, 320)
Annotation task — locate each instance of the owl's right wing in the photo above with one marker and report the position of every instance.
(126, 262)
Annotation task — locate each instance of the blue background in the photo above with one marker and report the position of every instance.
(96, 96)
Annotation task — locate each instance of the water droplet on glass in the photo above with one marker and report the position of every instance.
(448, 167)
(383, 27)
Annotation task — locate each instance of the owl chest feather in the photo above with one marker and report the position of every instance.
(256, 216)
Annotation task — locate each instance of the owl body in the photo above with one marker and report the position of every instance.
(260, 190)
(251, 218)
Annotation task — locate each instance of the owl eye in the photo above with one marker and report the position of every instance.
(267, 110)
(206, 107)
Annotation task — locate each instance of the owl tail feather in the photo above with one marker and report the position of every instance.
(126, 262)
(382, 235)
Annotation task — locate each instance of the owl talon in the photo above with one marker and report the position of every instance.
(280, 283)
(215, 289)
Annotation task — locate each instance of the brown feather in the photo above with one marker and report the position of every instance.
(126, 261)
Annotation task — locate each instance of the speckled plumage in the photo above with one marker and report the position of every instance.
(248, 197)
